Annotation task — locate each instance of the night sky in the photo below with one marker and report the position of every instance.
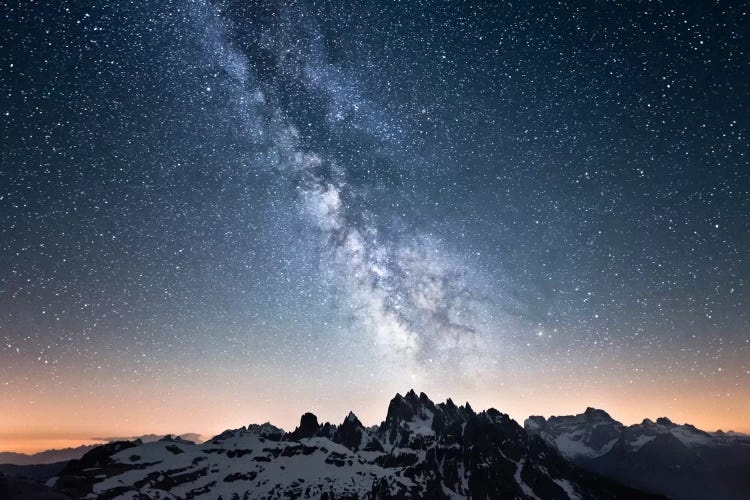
(213, 214)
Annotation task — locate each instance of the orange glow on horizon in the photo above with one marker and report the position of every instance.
(57, 422)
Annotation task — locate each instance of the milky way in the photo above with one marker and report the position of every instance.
(539, 207)
(406, 294)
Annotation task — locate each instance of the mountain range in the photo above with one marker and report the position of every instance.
(679, 461)
(46, 456)
(420, 450)
(66, 454)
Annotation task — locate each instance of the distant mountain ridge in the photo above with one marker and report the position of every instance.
(46, 456)
(66, 454)
(680, 461)
(420, 450)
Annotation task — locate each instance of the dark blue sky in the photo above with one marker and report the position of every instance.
(438, 192)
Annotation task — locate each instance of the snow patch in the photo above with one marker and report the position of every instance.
(569, 489)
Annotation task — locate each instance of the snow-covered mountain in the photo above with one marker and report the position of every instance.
(588, 435)
(421, 450)
(679, 461)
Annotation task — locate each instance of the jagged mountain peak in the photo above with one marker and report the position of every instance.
(352, 434)
(409, 407)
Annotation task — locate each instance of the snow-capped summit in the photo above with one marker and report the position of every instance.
(589, 434)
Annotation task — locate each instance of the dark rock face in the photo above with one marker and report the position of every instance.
(351, 433)
(308, 427)
(679, 461)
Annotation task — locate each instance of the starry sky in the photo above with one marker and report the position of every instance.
(218, 213)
